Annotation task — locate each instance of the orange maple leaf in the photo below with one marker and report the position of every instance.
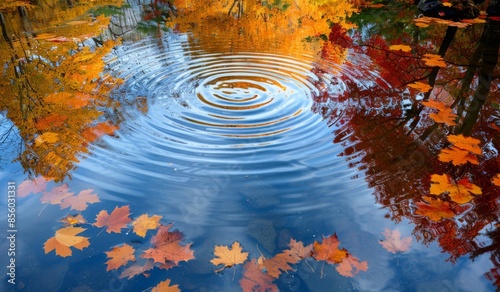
(434, 60)
(403, 48)
(229, 257)
(144, 223)
(56, 195)
(435, 104)
(73, 220)
(115, 221)
(420, 86)
(80, 201)
(328, 250)
(496, 180)
(435, 210)
(166, 247)
(119, 256)
(444, 114)
(64, 239)
(136, 269)
(350, 266)
(466, 143)
(457, 156)
(393, 241)
(94, 133)
(278, 263)
(299, 251)
(256, 280)
(37, 185)
(52, 120)
(460, 192)
(165, 287)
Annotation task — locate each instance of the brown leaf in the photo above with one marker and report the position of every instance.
(299, 251)
(278, 263)
(255, 280)
(64, 239)
(56, 195)
(119, 256)
(73, 220)
(350, 266)
(167, 247)
(115, 221)
(435, 210)
(144, 223)
(37, 185)
(393, 242)
(165, 287)
(135, 270)
(229, 257)
(80, 201)
(328, 250)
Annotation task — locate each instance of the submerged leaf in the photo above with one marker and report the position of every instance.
(80, 201)
(393, 241)
(350, 266)
(37, 185)
(435, 210)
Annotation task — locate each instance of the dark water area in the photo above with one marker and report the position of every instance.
(260, 142)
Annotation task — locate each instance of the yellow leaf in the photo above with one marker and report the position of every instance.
(460, 192)
(47, 137)
(457, 156)
(496, 180)
(64, 239)
(229, 257)
(434, 60)
(466, 143)
(145, 223)
(447, 4)
(420, 86)
(165, 287)
(403, 48)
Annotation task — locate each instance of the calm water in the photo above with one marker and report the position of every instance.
(248, 144)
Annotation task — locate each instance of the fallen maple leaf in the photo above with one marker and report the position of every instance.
(350, 266)
(457, 156)
(403, 48)
(435, 210)
(73, 220)
(64, 239)
(167, 248)
(298, 250)
(434, 60)
(229, 257)
(328, 250)
(56, 195)
(255, 280)
(80, 201)
(135, 270)
(144, 223)
(278, 263)
(119, 256)
(466, 143)
(393, 241)
(444, 114)
(37, 185)
(165, 287)
(496, 180)
(460, 192)
(420, 86)
(434, 104)
(115, 221)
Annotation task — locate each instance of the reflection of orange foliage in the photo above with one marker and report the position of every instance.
(435, 209)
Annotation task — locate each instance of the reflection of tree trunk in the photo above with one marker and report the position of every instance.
(467, 81)
(24, 19)
(4, 29)
(491, 42)
(70, 3)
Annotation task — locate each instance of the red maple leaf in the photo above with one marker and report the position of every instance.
(115, 221)
(166, 247)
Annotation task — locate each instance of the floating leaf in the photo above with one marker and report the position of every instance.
(298, 250)
(403, 48)
(278, 263)
(135, 270)
(229, 257)
(457, 156)
(64, 239)
(73, 220)
(37, 185)
(435, 210)
(466, 143)
(166, 247)
(119, 256)
(444, 115)
(165, 287)
(145, 223)
(328, 250)
(350, 266)
(393, 241)
(256, 280)
(434, 60)
(80, 201)
(496, 180)
(115, 221)
(56, 195)
(460, 192)
(420, 86)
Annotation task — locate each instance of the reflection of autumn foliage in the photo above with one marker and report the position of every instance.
(56, 94)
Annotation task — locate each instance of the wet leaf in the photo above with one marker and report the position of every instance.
(64, 239)
(350, 266)
(56, 195)
(144, 223)
(255, 280)
(79, 202)
(420, 86)
(435, 210)
(403, 48)
(278, 263)
(119, 256)
(73, 220)
(328, 250)
(434, 60)
(35, 186)
(466, 143)
(165, 287)
(457, 156)
(166, 247)
(460, 192)
(393, 241)
(115, 221)
(496, 180)
(299, 251)
(135, 270)
(229, 257)
(444, 114)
